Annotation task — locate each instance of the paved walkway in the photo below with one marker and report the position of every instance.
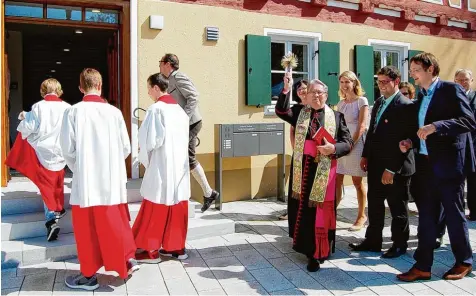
(258, 259)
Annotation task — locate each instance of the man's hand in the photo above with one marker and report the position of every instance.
(363, 164)
(405, 145)
(425, 131)
(387, 178)
(288, 82)
(327, 148)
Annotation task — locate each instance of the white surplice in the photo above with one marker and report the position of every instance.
(41, 127)
(163, 143)
(95, 145)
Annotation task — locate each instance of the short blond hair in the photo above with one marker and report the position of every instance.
(50, 86)
(89, 79)
(358, 90)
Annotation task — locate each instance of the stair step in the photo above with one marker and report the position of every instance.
(37, 250)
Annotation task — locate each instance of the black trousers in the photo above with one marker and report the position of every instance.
(431, 193)
(396, 195)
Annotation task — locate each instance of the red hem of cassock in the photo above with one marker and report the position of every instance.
(23, 158)
(159, 226)
(103, 238)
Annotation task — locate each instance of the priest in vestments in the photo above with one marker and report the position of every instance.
(161, 225)
(95, 144)
(312, 187)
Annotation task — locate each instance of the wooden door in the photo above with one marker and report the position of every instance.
(5, 90)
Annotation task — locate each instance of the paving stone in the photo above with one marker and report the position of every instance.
(204, 280)
(467, 284)
(445, 288)
(305, 283)
(357, 270)
(383, 286)
(12, 282)
(363, 293)
(288, 292)
(212, 292)
(147, 280)
(283, 264)
(38, 284)
(249, 288)
(215, 252)
(267, 250)
(251, 259)
(11, 292)
(180, 287)
(271, 279)
(229, 270)
(9, 273)
(172, 269)
(337, 281)
(426, 292)
(110, 284)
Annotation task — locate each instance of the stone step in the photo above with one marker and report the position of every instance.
(37, 250)
(22, 196)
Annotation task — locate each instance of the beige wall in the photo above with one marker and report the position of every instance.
(217, 70)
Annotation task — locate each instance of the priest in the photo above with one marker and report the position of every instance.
(312, 187)
(161, 225)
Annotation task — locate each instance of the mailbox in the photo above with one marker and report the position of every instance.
(236, 140)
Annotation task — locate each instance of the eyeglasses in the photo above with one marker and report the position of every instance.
(383, 82)
(302, 89)
(319, 93)
(405, 94)
(411, 71)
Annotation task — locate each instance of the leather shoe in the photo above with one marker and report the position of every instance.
(414, 274)
(207, 201)
(394, 252)
(365, 245)
(313, 265)
(439, 242)
(458, 271)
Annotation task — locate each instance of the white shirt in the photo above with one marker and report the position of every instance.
(41, 127)
(95, 145)
(163, 142)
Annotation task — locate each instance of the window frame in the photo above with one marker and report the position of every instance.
(289, 37)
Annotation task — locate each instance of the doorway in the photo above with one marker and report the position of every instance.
(59, 39)
(37, 52)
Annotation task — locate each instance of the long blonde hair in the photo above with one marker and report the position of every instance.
(358, 90)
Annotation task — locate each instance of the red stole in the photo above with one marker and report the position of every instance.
(168, 99)
(52, 98)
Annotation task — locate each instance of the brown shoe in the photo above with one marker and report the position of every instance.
(414, 274)
(458, 271)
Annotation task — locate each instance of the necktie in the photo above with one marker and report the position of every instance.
(377, 117)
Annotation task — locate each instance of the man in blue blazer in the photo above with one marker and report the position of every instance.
(444, 156)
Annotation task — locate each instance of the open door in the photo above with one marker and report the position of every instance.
(5, 142)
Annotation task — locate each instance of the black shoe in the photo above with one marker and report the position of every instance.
(313, 265)
(394, 252)
(365, 246)
(439, 242)
(60, 214)
(207, 201)
(52, 230)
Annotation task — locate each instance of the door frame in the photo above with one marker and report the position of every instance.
(124, 27)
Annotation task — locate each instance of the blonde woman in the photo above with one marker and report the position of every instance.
(355, 108)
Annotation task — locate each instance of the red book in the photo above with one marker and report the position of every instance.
(321, 134)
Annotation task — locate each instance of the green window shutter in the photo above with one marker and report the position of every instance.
(258, 70)
(329, 67)
(411, 54)
(364, 69)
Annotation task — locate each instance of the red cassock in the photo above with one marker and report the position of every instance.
(160, 226)
(23, 158)
(103, 238)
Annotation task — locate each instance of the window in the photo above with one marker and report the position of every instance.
(102, 16)
(23, 9)
(303, 45)
(278, 50)
(64, 13)
(389, 53)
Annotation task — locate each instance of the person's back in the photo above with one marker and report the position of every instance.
(41, 128)
(98, 155)
(169, 161)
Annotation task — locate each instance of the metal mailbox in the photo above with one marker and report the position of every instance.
(237, 140)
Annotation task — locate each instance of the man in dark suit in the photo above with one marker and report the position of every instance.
(444, 156)
(389, 170)
(464, 77)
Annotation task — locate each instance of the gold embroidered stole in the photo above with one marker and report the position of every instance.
(319, 186)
